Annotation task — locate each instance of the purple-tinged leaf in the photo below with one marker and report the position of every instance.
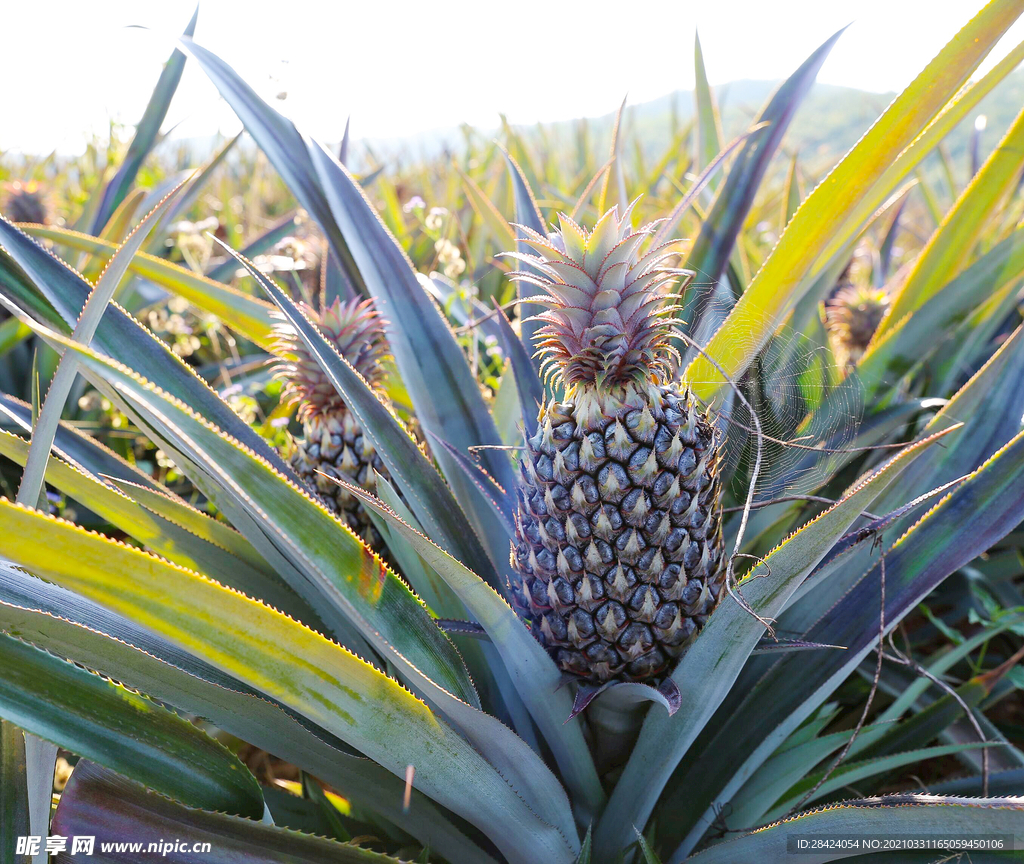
(528, 384)
(502, 503)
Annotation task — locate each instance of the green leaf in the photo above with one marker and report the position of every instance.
(118, 335)
(723, 646)
(791, 197)
(849, 773)
(40, 764)
(586, 847)
(941, 664)
(225, 270)
(45, 427)
(444, 392)
(781, 771)
(194, 521)
(528, 215)
(117, 228)
(912, 339)
(13, 793)
(74, 446)
(965, 523)
(115, 810)
(807, 238)
(99, 719)
(952, 244)
(145, 134)
(646, 850)
(171, 540)
(12, 332)
(708, 138)
(484, 208)
(340, 568)
(66, 624)
(247, 315)
(528, 386)
(721, 227)
(299, 668)
(194, 185)
(430, 499)
(278, 138)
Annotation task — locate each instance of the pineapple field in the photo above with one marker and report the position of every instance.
(621, 492)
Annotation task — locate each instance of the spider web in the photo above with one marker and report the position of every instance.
(806, 406)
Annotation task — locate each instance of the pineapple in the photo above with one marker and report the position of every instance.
(618, 550)
(25, 202)
(852, 317)
(332, 442)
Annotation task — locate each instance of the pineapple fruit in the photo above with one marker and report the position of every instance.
(332, 442)
(618, 552)
(852, 317)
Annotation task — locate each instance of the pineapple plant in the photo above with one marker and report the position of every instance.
(452, 731)
(333, 445)
(618, 537)
(852, 317)
(25, 202)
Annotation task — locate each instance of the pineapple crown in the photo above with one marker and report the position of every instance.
(608, 322)
(854, 314)
(355, 328)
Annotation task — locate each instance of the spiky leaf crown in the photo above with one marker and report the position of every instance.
(356, 330)
(854, 314)
(608, 321)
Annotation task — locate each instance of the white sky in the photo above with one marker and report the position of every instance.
(404, 67)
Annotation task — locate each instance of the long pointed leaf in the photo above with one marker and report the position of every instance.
(292, 664)
(145, 134)
(444, 393)
(247, 315)
(923, 815)
(121, 337)
(103, 721)
(952, 243)
(45, 426)
(723, 645)
(535, 675)
(71, 626)
(777, 285)
(119, 814)
(429, 497)
(966, 522)
(720, 228)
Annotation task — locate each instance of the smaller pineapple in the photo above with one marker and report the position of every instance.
(852, 317)
(25, 202)
(332, 441)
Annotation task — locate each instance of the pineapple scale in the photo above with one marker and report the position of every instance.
(333, 444)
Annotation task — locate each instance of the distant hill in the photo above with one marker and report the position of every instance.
(830, 120)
